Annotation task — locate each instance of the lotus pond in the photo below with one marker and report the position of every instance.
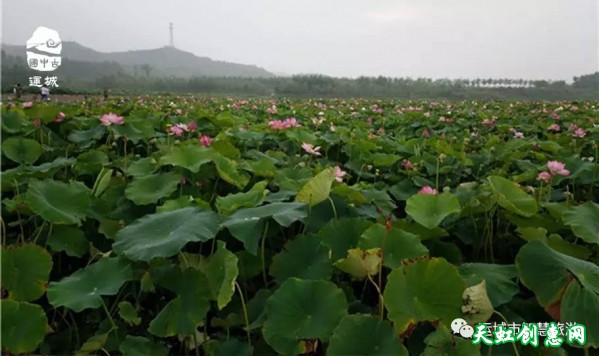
(164, 225)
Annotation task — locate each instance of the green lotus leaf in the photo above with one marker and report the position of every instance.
(304, 257)
(443, 342)
(547, 272)
(430, 210)
(21, 150)
(247, 225)
(148, 189)
(165, 234)
(23, 326)
(426, 290)
(511, 197)
(584, 221)
(581, 305)
(365, 335)
(182, 315)
(51, 167)
(342, 235)
(69, 239)
(141, 346)
(302, 310)
(128, 313)
(25, 271)
(396, 244)
(477, 307)
(91, 162)
(317, 189)
(232, 202)
(57, 202)
(84, 288)
(142, 167)
(220, 269)
(361, 263)
(227, 170)
(500, 283)
(188, 157)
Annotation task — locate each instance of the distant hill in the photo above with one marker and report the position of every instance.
(163, 62)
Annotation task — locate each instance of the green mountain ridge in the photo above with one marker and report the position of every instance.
(162, 62)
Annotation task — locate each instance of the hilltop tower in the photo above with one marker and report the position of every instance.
(171, 42)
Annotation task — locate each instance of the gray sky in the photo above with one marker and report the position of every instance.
(533, 39)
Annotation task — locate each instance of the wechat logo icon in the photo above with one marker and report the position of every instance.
(460, 327)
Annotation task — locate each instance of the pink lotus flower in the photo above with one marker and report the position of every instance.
(518, 134)
(309, 148)
(428, 190)
(556, 167)
(544, 176)
(554, 128)
(111, 119)
(369, 121)
(407, 165)
(27, 104)
(276, 125)
(290, 122)
(205, 140)
(579, 133)
(192, 126)
(37, 122)
(339, 174)
(178, 130)
(60, 117)
(426, 133)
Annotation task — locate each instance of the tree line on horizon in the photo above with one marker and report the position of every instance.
(79, 77)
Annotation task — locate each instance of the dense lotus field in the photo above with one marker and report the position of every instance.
(164, 225)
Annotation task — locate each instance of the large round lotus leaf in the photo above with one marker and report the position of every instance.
(361, 263)
(511, 197)
(305, 258)
(396, 244)
(84, 289)
(364, 335)
(547, 272)
(247, 225)
(317, 189)
(300, 310)
(164, 234)
(142, 167)
(25, 271)
(227, 170)
(182, 315)
(430, 210)
(501, 286)
(189, 157)
(21, 150)
(221, 270)
(342, 235)
(23, 326)
(69, 239)
(477, 306)
(442, 342)
(581, 305)
(426, 290)
(584, 221)
(232, 202)
(58, 202)
(140, 346)
(148, 189)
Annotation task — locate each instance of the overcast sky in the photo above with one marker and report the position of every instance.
(532, 39)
